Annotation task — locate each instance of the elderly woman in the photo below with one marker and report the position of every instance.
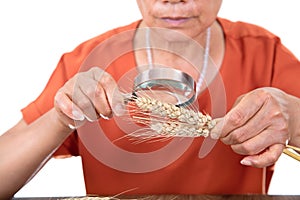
(244, 78)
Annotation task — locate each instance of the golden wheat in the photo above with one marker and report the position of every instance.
(168, 120)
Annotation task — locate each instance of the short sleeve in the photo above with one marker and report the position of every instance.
(286, 71)
(45, 102)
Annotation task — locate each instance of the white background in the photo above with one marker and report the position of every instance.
(34, 34)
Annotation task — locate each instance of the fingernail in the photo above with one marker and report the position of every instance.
(214, 135)
(119, 109)
(77, 115)
(71, 126)
(90, 119)
(246, 162)
(104, 117)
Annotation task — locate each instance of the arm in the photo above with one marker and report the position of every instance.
(26, 147)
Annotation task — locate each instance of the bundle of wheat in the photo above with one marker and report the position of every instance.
(166, 120)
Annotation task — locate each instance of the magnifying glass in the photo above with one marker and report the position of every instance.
(167, 84)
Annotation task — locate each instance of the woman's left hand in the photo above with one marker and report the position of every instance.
(259, 125)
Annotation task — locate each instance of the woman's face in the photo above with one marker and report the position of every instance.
(191, 17)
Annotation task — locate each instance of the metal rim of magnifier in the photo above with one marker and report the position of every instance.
(169, 78)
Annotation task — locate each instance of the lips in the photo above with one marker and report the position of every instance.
(175, 21)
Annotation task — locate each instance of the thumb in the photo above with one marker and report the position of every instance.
(216, 131)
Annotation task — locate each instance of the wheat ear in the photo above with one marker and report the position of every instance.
(169, 120)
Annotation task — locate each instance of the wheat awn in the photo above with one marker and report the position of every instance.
(166, 120)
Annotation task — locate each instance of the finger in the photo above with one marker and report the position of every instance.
(266, 158)
(113, 95)
(101, 102)
(238, 100)
(254, 126)
(98, 95)
(240, 114)
(66, 106)
(215, 132)
(260, 142)
(82, 98)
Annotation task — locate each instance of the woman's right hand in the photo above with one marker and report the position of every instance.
(88, 96)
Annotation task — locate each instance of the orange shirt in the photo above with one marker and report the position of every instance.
(253, 58)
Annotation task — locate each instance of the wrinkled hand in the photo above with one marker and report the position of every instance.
(86, 97)
(258, 126)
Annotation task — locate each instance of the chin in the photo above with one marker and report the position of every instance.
(173, 35)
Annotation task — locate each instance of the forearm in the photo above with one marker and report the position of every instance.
(23, 151)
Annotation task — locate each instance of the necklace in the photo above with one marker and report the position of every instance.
(205, 57)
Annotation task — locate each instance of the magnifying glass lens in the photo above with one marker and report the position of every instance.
(167, 85)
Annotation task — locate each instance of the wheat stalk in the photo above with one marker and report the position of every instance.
(168, 120)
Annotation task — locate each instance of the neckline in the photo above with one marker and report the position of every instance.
(205, 55)
(223, 26)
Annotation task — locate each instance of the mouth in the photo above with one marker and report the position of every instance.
(175, 21)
